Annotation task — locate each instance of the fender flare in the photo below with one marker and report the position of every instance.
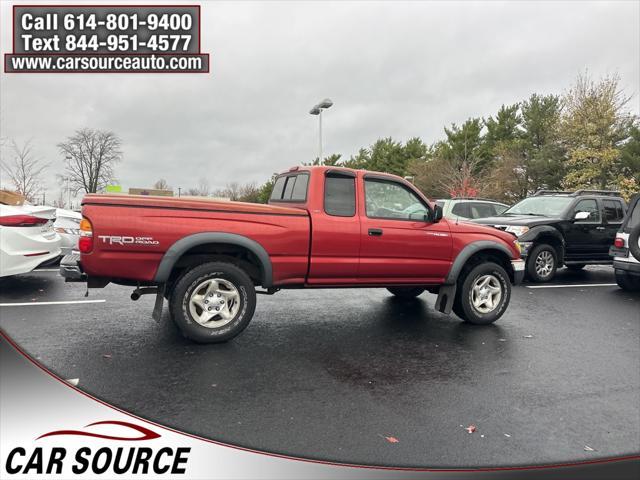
(467, 252)
(536, 232)
(176, 250)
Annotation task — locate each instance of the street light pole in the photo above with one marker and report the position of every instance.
(317, 110)
(320, 136)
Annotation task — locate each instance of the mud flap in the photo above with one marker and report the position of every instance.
(446, 296)
(157, 308)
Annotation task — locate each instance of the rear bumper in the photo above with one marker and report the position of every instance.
(518, 271)
(71, 269)
(628, 267)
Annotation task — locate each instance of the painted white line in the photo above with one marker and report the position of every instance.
(46, 270)
(70, 302)
(573, 286)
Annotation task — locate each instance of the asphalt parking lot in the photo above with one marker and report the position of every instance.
(358, 376)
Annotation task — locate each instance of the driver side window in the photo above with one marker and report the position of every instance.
(391, 200)
(590, 206)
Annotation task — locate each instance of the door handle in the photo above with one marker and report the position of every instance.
(375, 232)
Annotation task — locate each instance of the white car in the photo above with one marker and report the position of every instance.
(67, 225)
(462, 208)
(27, 238)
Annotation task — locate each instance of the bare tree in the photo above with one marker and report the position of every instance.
(161, 185)
(90, 156)
(61, 201)
(202, 190)
(24, 170)
(461, 181)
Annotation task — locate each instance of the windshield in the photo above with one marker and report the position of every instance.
(545, 206)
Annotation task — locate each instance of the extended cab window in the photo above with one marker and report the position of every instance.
(340, 195)
(290, 188)
(590, 206)
(613, 211)
(388, 199)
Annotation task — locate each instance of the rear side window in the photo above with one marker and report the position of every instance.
(613, 211)
(290, 188)
(340, 196)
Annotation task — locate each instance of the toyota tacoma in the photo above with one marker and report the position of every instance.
(324, 227)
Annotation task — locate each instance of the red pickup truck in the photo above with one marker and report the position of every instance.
(324, 227)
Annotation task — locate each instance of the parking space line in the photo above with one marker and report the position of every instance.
(573, 285)
(46, 270)
(70, 302)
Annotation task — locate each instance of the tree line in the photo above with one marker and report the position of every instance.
(584, 138)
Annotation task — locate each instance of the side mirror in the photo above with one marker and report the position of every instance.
(582, 216)
(419, 216)
(437, 213)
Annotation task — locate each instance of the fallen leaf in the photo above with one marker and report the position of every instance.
(527, 336)
(73, 381)
(587, 448)
(214, 384)
(471, 428)
(502, 339)
(389, 439)
(106, 355)
(507, 435)
(481, 436)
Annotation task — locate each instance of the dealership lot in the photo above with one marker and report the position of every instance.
(343, 374)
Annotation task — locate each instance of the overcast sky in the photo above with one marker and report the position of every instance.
(392, 69)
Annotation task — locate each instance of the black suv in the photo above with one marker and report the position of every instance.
(556, 228)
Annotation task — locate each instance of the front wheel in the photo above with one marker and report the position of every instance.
(542, 263)
(484, 294)
(213, 302)
(406, 292)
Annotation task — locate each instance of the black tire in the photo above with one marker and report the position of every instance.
(542, 250)
(627, 282)
(180, 302)
(406, 292)
(634, 248)
(576, 267)
(463, 305)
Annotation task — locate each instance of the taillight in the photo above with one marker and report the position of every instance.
(619, 242)
(85, 242)
(22, 221)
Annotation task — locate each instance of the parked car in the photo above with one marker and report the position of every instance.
(556, 228)
(325, 227)
(470, 208)
(626, 249)
(27, 238)
(67, 225)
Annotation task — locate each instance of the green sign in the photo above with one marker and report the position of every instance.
(114, 188)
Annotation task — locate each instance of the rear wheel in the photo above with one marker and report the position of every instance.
(542, 263)
(406, 292)
(483, 295)
(213, 302)
(627, 282)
